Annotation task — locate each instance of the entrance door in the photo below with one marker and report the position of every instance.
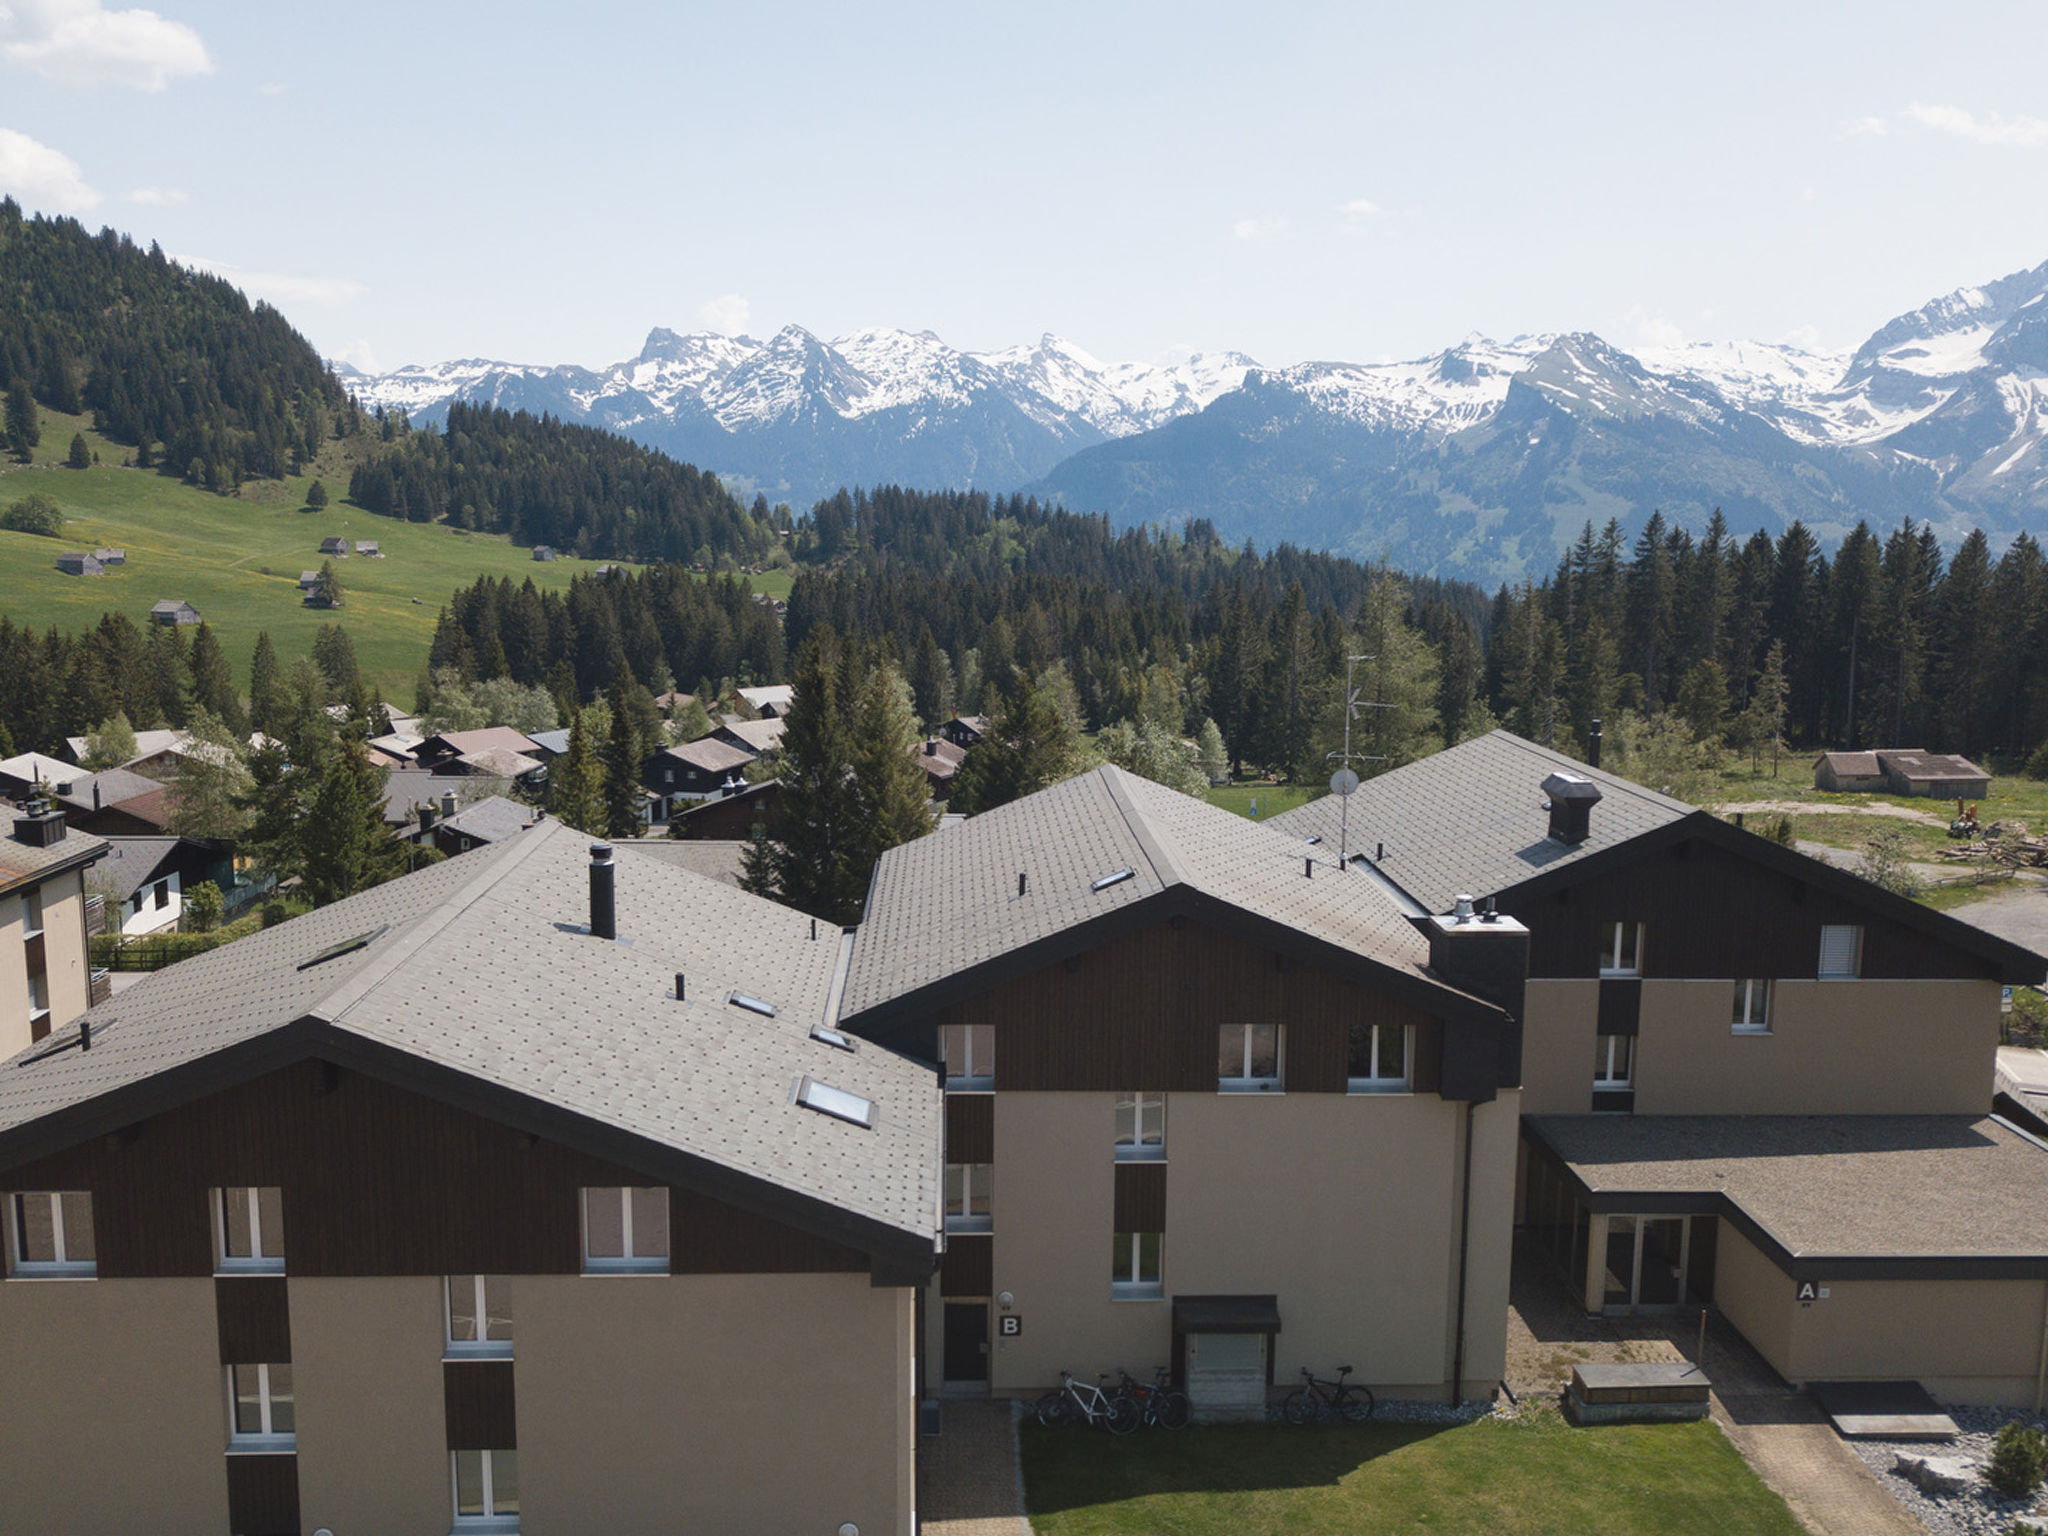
(1227, 1375)
(1660, 1278)
(966, 1341)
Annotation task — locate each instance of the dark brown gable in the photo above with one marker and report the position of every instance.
(1708, 912)
(379, 1181)
(1140, 1013)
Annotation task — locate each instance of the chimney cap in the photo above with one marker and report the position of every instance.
(1571, 786)
(600, 853)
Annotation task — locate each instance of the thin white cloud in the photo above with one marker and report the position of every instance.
(1258, 229)
(159, 197)
(1991, 128)
(1865, 127)
(1361, 208)
(1643, 328)
(284, 289)
(727, 313)
(270, 88)
(80, 42)
(42, 177)
(357, 354)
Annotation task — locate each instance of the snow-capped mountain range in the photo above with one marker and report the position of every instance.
(1480, 461)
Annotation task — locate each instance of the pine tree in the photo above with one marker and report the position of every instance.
(208, 796)
(326, 591)
(1030, 744)
(269, 704)
(347, 845)
(213, 680)
(1215, 758)
(80, 456)
(806, 858)
(316, 496)
(23, 430)
(1703, 701)
(335, 655)
(892, 799)
(576, 782)
(623, 798)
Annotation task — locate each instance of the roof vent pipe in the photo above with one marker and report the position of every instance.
(1461, 907)
(1487, 912)
(1572, 797)
(447, 803)
(1308, 865)
(680, 995)
(603, 902)
(1593, 746)
(1020, 883)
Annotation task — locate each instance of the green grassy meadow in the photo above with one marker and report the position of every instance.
(1522, 1478)
(1272, 798)
(237, 558)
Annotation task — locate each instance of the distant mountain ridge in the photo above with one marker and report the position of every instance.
(1481, 461)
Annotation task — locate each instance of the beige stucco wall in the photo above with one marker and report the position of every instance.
(714, 1403)
(1755, 1295)
(63, 953)
(366, 1370)
(1344, 1206)
(1835, 1047)
(1558, 1019)
(113, 1408)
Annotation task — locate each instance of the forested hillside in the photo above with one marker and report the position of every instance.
(580, 489)
(172, 362)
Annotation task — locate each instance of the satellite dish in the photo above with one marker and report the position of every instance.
(1343, 782)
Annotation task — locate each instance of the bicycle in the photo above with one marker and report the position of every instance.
(1077, 1402)
(1159, 1405)
(1343, 1399)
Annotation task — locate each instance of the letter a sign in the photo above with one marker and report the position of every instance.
(1807, 1291)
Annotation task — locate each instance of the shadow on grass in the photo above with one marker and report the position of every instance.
(1072, 1468)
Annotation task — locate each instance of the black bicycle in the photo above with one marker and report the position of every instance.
(1327, 1399)
(1158, 1404)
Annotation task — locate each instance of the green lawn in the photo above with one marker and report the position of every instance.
(1272, 799)
(1533, 1478)
(237, 559)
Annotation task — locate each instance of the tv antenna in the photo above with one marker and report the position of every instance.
(1344, 782)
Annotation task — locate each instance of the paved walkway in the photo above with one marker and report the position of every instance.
(1780, 1433)
(968, 1480)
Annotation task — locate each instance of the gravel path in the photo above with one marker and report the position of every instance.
(1979, 1512)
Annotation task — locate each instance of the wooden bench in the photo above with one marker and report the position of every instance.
(1630, 1394)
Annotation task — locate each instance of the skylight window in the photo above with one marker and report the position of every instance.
(752, 1004)
(1104, 882)
(832, 1037)
(1314, 840)
(836, 1102)
(346, 947)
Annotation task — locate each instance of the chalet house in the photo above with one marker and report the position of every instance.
(146, 880)
(694, 771)
(379, 1238)
(770, 703)
(963, 731)
(33, 773)
(758, 737)
(76, 562)
(1789, 1107)
(308, 580)
(454, 829)
(334, 546)
(1149, 1014)
(368, 547)
(545, 552)
(1902, 771)
(45, 972)
(549, 745)
(732, 815)
(174, 611)
(407, 790)
(940, 760)
(115, 803)
(459, 752)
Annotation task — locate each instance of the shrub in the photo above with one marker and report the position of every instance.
(2037, 765)
(2019, 1457)
(34, 513)
(274, 912)
(203, 906)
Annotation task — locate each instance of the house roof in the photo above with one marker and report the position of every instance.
(397, 743)
(147, 744)
(1871, 1187)
(758, 736)
(35, 768)
(1918, 767)
(1851, 765)
(944, 917)
(1473, 818)
(22, 862)
(553, 743)
(490, 820)
(115, 785)
(499, 762)
(477, 982)
(407, 788)
(133, 862)
(492, 738)
(152, 806)
(938, 757)
(710, 755)
(774, 696)
(172, 605)
(713, 858)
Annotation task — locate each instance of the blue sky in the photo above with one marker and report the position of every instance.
(544, 183)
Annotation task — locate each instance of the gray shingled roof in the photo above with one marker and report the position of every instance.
(114, 785)
(758, 735)
(491, 819)
(485, 970)
(133, 862)
(19, 860)
(407, 788)
(713, 858)
(1838, 1186)
(710, 755)
(949, 902)
(1473, 818)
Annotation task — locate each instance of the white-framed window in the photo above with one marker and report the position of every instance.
(1379, 1058)
(1248, 1058)
(969, 1191)
(1841, 950)
(625, 1231)
(260, 1416)
(248, 1225)
(969, 1052)
(1134, 1266)
(1752, 1006)
(49, 1234)
(1614, 1061)
(1140, 1127)
(38, 998)
(1621, 949)
(479, 1315)
(486, 1490)
(31, 912)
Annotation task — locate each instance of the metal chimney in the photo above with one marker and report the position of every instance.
(447, 803)
(603, 901)
(1593, 746)
(1572, 798)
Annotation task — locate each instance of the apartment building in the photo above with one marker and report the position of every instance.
(1211, 1102)
(45, 966)
(1749, 1078)
(472, 1203)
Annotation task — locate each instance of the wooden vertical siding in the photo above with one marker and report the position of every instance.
(968, 1267)
(970, 1128)
(1140, 1014)
(379, 1181)
(1141, 1197)
(1708, 913)
(254, 1313)
(479, 1404)
(263, 1495)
